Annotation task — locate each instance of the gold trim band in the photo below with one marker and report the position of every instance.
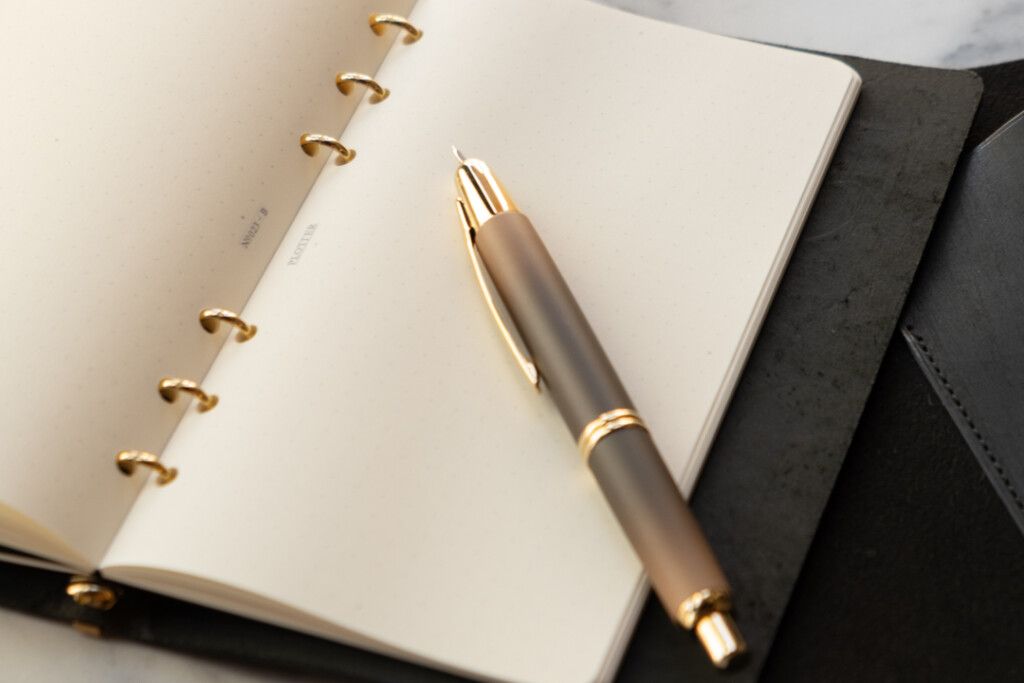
(345, 82)
(603, 425)
(170, 387)
(378, 22)
(312, 142)
(210, 319)
(129, 461)
(700, 604)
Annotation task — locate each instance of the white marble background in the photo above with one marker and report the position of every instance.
(942, 33)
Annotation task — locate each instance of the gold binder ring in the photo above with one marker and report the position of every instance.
(603, 425)
(129, 461)
(378, 22)
(170, 388)
(88, 592)
(210, 319)
(311, 143)
(345, 82)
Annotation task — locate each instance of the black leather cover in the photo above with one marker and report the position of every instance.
(916, 571)
(965, 323)
(782, 441)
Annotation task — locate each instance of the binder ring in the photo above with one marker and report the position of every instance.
(346, 80)
(311, 143)
(378, 22)
(88, 592)
(170, 387)
(129, 461)
(210, 319)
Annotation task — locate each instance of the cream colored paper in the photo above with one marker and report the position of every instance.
(377, 462)
(150, 167)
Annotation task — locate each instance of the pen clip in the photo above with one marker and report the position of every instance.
(525, 364)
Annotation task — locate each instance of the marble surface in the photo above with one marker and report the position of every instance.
(941, 33)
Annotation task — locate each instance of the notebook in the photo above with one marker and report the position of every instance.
(374, 470)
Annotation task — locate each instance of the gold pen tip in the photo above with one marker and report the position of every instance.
(458, 154)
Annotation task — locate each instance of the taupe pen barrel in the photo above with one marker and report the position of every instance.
(599, 413)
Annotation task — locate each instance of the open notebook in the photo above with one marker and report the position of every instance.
(376, 471)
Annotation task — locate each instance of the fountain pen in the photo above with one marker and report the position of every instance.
(611, 436)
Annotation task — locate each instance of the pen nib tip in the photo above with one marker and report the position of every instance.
(458, 154)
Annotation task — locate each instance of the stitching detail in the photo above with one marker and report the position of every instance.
(923, 348)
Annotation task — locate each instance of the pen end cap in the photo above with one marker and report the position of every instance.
(720, 637)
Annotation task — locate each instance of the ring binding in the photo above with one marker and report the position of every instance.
(170, 387)
(378, 22)
(81, 589)
(311, 143)
(87, 591)
(345, 81)
(210, 319)
(129, 461)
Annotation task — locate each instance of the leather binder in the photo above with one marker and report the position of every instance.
(783, 439)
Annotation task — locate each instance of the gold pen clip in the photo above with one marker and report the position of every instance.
(525, 364)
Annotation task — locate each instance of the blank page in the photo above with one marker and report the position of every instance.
(378, 461)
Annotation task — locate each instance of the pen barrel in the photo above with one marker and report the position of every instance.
(565, 349)
(583, 385)
(658, 522)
